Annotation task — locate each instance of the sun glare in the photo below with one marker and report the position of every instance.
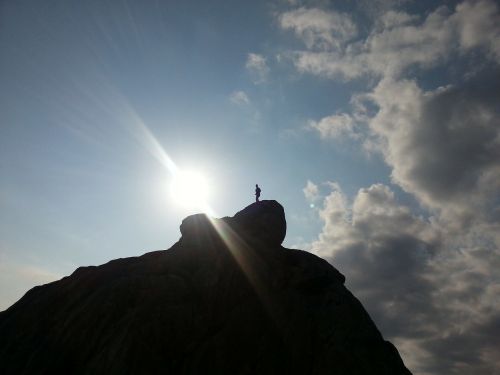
(190, 189)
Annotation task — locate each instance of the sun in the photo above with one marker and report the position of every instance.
(190, 189)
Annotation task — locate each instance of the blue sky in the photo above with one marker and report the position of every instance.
(374, 123)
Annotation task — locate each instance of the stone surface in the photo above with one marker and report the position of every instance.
(225, 299)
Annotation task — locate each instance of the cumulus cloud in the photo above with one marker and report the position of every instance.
(435, 298)
(383, 249)
(478, 25)
(393, 18)
(443, 145)
(430, 281)
(257, 66)
(335, 126)
(318, 28)
(311, 192)
(239, 98)
(403, 42)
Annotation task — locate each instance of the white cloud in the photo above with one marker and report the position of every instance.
(373, 214)
(478, 25)
(390, 50)
(239, 98)
(311, 192)
(319, 28)
(335, 126)
(393, 18)
(432, 283)
(257, 66)
(434, 296)
(443, 145)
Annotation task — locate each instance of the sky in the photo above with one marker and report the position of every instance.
(376, 124)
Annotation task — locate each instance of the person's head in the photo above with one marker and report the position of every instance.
(256, 185)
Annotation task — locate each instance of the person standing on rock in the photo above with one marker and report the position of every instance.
(257, 192)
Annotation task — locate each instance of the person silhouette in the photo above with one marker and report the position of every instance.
(257, 192)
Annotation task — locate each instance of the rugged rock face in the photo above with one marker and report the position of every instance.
(225, 299)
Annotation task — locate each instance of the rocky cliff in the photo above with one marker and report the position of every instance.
(227, 298)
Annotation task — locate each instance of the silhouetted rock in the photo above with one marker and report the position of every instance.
(225, 299)
(264, 221)
(261, 223)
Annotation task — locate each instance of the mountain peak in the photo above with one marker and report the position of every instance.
(227, 298)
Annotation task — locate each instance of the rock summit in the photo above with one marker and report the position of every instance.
(227, 298)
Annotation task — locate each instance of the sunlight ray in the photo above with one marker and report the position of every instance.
(147, 139)
(248, 261)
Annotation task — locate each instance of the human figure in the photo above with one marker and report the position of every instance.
(257, 192)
